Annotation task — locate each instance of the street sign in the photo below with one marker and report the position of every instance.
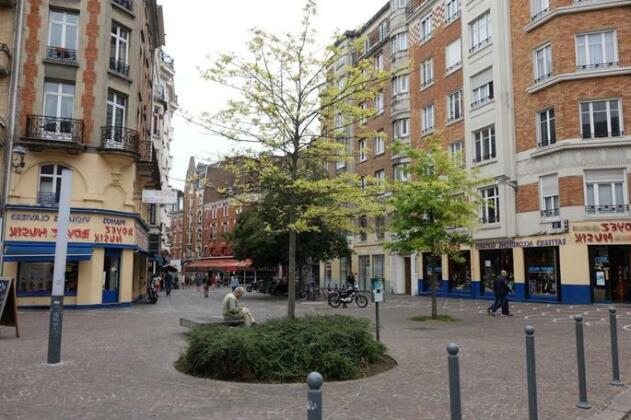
(159, 197)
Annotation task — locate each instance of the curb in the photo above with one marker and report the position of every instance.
(617, 409)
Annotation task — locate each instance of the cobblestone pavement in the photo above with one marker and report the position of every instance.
(118, 364)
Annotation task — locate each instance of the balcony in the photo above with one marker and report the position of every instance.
(550, 212)
(47, 199)
(125, 4)
(5, 60)
(539, 15)
(120, 139)
(167, 60)
(596, 66)
(480, 102)
(119, 67)
(480, 45)
(44, 131)
(603, 209)
(61, 55)
(543, 78)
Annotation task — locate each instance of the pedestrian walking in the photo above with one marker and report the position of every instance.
(234, 281)
(168, 283)
(213, 282)
(501, 290)
(205, 284)
(198, 281)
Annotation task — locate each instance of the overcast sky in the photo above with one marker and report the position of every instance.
(196, 28)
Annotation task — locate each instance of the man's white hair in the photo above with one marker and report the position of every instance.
(241, 290)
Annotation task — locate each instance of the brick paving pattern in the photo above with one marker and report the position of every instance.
(118, 364)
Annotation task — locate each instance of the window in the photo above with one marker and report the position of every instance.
(199, 216)
(601, 119)
(340, 61)
(58, 110)
(362, 183)
(363, 225)
(213, 231)
(379, 102)
(453, 56)
(116, 110)
(400, 84)
(364, 109)
(605, 192)
(596, 50)
(543, 63)
(62, 36)
(490, 211)
(401, 129)
(456, 152)
(452, 8)
(153, 213)
(454, 102)
(363, 155)
(400, 42)
(199, 235)
(213, 211)
(156, 121)
(402, 3)
(549, 187)
(480, 32)
(379, 147)
(427, 26)
(539, 8)
(401, 172)
(36, 278)
(379, 62)
(119, 46)
(427, 72)
(546, 127)
(384, 28)
(225, 209)
(484, 141)
(49, 185)
(427, 119)
(225, 228)
(482, 84)
(378, 265)
(381, 177)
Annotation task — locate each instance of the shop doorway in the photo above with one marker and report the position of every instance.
(460, 273)
(609, 272)
(408, 275)
(111, 275)
(492, 262)
(430, 261)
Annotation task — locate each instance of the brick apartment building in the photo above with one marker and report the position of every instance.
(532, 94)
(84, 73)
(206, 217)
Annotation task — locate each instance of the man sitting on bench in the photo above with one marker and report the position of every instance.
(233, 312)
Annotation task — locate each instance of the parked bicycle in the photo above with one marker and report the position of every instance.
(311, 291)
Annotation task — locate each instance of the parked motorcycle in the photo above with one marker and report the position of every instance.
(338, 297)
(152, 290)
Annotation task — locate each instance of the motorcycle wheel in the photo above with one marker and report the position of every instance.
(361, 301)
(334, 300)
(248, 288)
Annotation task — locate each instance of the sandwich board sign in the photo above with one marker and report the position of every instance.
(8, 304)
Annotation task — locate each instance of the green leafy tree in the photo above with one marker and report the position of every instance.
(289, 90)
(437, 209)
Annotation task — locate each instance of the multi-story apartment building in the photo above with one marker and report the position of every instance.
(85, 101)
(532, 95)
(209, 215)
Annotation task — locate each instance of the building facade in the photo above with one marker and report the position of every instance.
(86, 95)
(532, 95)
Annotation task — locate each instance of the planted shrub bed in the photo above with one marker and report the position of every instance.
(282, 350)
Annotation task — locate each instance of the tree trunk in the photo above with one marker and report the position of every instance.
(291, 275)
(432, 276)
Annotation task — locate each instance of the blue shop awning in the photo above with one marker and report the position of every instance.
(45, 252)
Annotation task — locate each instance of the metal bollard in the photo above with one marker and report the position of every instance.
(580, 357)
(531, 373)
(454, 381)
(314, 396)
(613, 327)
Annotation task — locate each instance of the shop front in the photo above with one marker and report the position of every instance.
(431, 264)
(491, 263)
(102, 252)
(542, 274)
(459, 274)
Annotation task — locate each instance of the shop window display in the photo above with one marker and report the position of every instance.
(435, 262)
(542, 271)
(36, 278)
(492, 262)
(460, 273)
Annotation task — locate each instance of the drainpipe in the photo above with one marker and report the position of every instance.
(414, 289)
(13, 104)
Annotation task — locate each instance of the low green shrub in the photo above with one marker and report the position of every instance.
(282, 350)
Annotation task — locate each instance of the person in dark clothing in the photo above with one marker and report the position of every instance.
(501, 290)
(168, 283)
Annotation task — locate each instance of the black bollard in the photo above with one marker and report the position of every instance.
(580, 358)
(531, 373)
(454, 381)
(314, 396)
(613, 328)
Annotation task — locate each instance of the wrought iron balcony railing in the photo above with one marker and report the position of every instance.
(119, 138)
(62, 55)
(596, 66)
(127, 4)
(607, 209)
(168, 60)
(550, 212)
(47, 199)
(43, 127)
(479, 45)
(119, 66)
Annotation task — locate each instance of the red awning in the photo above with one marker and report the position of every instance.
(226, 264)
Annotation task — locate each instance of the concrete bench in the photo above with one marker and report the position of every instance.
(190, 323)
